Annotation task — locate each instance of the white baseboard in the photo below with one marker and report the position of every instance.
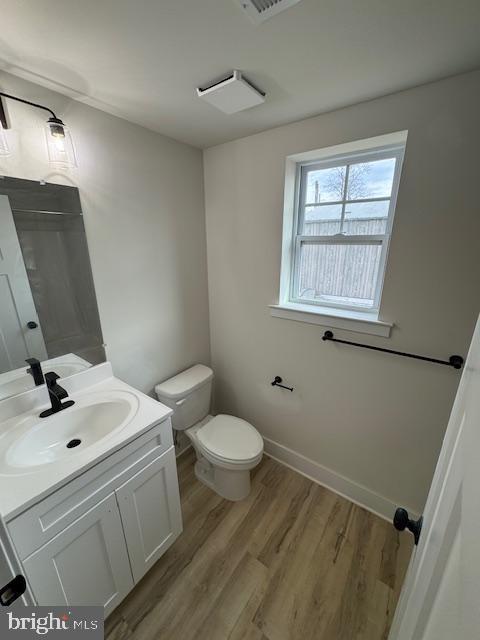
(346, 488)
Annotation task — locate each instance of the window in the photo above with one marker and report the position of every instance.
(343, 218)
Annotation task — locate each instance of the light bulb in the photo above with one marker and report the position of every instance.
(61, 152)
(59, 144)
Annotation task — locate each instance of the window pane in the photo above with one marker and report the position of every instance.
(325, 185)
(371, 179)
(339, 273)
(366, 218)
(323, 220)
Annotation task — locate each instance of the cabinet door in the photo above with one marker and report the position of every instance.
(86, 564)
(151, 515)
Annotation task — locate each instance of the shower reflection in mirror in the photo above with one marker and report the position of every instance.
(48, 308)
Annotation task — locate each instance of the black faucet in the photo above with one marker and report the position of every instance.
(35, 370)
(57, 394)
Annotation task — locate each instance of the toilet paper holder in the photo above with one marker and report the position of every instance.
(277, 382)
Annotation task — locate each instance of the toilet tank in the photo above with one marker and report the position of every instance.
(188, 394)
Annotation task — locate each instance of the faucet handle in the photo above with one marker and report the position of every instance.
(35, 370)
(51, 379)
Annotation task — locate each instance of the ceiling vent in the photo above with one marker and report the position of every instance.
(260, 10)
(231, 94)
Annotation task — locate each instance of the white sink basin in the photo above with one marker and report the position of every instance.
(39, 441)
(108, 416)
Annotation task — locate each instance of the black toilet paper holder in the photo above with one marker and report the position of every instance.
(277, 382)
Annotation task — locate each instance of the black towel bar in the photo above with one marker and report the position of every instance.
(454, 361)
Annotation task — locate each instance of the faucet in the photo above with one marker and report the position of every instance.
(35, 370)
(57, 394)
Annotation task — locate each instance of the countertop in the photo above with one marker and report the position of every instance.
(24, 486)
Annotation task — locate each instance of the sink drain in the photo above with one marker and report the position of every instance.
(73, 443)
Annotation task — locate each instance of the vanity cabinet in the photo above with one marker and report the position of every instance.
(149, 521)
(86, 564)
(93, 539)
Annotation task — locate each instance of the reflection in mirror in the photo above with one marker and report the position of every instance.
(48, 308)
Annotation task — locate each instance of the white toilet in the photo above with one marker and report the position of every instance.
(226, 447)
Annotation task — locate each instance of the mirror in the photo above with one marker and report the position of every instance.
(48, 308)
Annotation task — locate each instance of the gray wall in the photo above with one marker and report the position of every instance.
(55, 253)
(376, 419)
(142, 199)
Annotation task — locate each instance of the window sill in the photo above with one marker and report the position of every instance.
(333, 318)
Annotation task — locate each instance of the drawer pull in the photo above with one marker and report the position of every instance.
(13, 590)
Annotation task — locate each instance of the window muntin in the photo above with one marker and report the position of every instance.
(345, 210)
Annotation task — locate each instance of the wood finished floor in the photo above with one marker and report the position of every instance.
(293, 561)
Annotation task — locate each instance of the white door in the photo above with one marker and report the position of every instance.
(151, 514)
(17, 340)
(86, 564)
(440, 599)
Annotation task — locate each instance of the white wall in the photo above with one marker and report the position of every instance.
(142, 197)
(376, 419)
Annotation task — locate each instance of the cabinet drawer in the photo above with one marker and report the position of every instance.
(39, 524)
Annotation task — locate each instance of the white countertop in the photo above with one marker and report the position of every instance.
(20, 490)
(18, 380)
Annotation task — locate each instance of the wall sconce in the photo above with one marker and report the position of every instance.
(61, 152)
(4, 149)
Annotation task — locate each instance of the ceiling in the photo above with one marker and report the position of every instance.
(142, 59)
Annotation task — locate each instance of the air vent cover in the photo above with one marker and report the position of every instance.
(260, 10)
(231, 94)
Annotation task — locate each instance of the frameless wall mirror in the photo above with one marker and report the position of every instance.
(48, 308)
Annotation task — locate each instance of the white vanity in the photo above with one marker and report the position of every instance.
(84, 522)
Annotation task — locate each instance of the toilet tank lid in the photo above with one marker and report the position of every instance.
(185, 382)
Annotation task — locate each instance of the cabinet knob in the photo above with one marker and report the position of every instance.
(32, 324)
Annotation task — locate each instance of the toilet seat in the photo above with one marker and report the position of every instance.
(230, 440)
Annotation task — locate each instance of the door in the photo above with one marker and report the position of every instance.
(17, 309)
(151, 514)
(440, 596)
(86, 564)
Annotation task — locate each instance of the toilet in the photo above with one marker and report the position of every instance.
(227, 448)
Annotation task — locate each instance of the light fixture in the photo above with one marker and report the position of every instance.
(4, 149)
(61, 152)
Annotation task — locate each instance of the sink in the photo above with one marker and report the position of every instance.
(40, 455)
(40, 441)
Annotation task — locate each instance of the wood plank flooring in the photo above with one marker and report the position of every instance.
(293, 561)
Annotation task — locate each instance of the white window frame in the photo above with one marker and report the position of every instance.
(339, 239)
(324, 312)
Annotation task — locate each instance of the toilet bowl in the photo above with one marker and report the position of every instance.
(227, 448)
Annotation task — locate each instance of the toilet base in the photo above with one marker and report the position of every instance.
(230, 480)
(204, 472)
(231, 485)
